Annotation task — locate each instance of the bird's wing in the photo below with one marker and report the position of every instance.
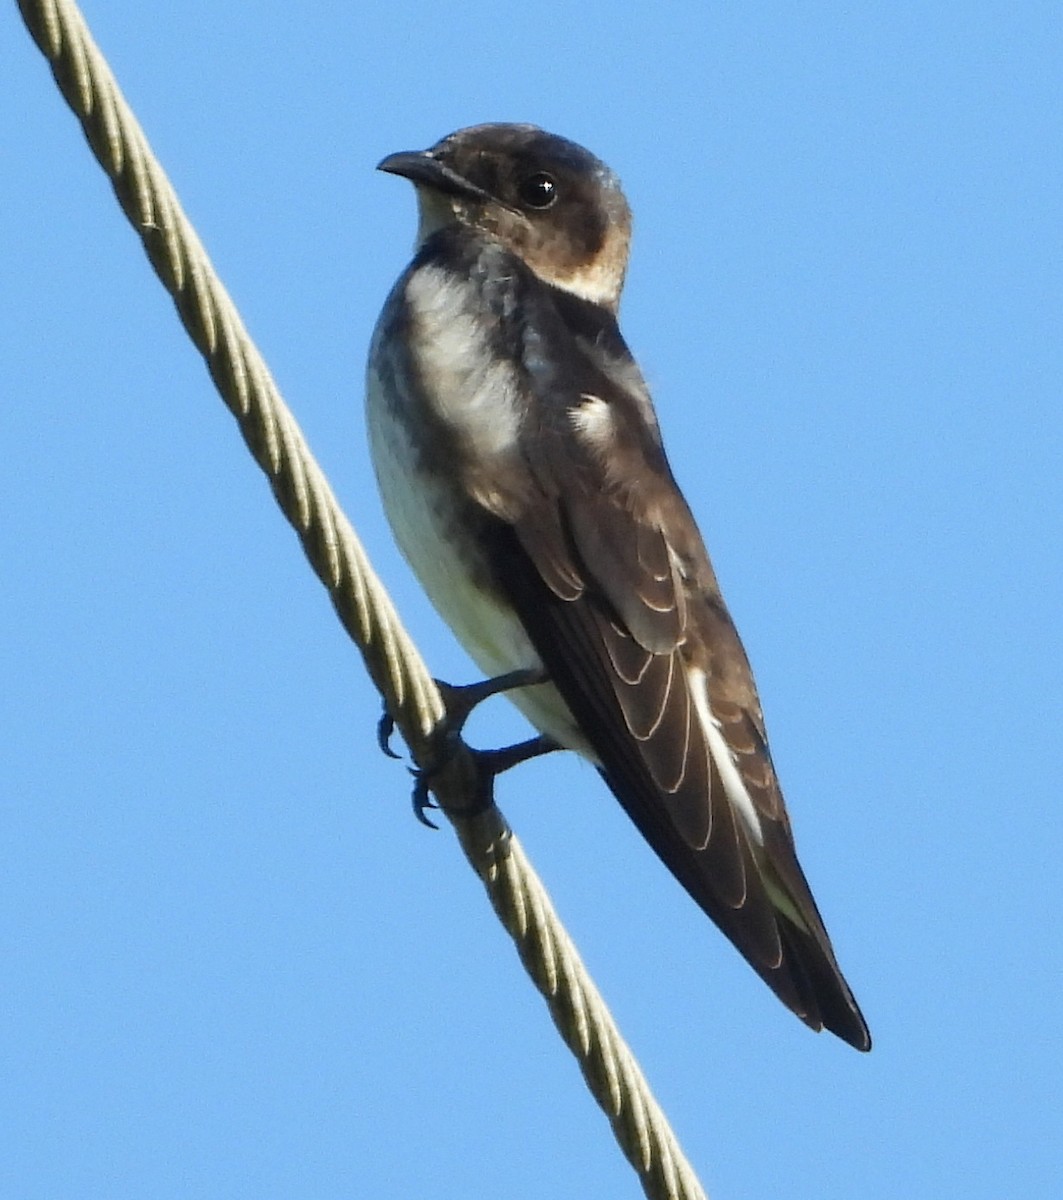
(601, 558)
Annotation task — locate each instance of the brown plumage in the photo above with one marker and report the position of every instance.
(523, 470)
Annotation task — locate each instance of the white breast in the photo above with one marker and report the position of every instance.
(417, 511)
(417, 505)
(472, 390)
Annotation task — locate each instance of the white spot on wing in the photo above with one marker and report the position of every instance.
(736, 790)
(593, 421)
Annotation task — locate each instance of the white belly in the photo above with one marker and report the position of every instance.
(418, 515)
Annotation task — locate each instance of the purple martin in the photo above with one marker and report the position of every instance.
(522, 470)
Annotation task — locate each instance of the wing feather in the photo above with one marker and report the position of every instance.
(624, 668)
(596, 549)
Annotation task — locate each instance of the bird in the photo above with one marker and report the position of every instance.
(522, 471)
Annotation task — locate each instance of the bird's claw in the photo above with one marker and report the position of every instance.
(488, 764)
(422, 798)
(459, 702)
(384, 729)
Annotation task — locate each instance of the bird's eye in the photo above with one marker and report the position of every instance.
(538, 190)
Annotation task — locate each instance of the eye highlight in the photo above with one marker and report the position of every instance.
(538, 190)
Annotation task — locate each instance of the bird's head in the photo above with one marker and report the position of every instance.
(546, 199)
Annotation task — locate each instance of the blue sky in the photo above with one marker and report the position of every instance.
(232, 962)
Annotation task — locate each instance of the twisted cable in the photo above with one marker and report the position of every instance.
(363, 606)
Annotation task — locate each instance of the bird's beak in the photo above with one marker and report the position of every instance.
(421, 168)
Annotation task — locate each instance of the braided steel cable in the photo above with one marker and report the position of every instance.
(363, 606)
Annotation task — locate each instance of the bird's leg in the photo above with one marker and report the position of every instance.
(459, 702)
(460, 699)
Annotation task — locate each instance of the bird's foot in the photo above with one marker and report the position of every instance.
(488, 764)
(459, 702)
